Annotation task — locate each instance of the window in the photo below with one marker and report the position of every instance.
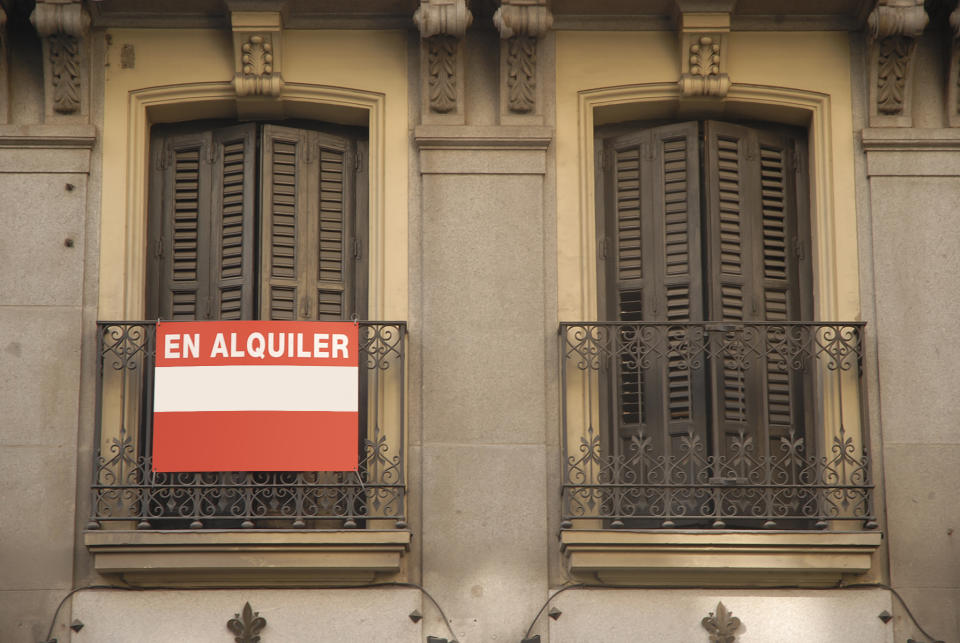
(708, 398)
(704, 222)
(256, 221)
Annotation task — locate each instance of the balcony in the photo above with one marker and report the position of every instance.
(757, 424)
(194, 528)
(752, 432)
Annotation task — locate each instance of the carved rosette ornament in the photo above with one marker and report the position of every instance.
(703, 41)
(722, 625)
(256, 41)
(521, 23)
(442, 24)
(894, 26)
(62, 25)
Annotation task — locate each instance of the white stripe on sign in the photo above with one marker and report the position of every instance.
(255, 388)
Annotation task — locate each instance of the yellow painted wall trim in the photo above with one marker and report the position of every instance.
(248, 558)
(752, 559)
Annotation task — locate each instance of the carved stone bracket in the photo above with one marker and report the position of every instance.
(257, 49)
(722, 625)
(247, 625)
(953, 79)
(521, 23)
(703, 59)
(442, 25)
(62, 25)
(894, 26)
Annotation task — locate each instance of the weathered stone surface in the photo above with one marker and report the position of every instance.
(484, 538)
(785, 616)
(293, 616)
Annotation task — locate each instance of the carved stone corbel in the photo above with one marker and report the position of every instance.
(442, 25)
(953, 79)
(894, 26)
(257, 53)
(521, 23)
(62, 26)
(703, 56)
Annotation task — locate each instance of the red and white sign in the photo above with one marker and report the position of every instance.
(255, 396)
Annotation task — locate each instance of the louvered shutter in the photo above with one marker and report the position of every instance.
(232, 225)
(653, 209)
(181, 227)
(201, 225)
(308, 228)
(283, 217)
(753, 271)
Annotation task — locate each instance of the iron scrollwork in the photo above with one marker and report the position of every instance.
(125, 487)
(754, 458)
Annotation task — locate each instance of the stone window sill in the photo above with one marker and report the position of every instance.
(717, 558)
(248, 558)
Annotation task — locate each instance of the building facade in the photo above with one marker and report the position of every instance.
(653, 300)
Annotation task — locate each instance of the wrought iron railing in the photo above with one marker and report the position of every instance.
(714, 424)
(125, 491)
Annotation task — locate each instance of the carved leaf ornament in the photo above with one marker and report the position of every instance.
(65, 73)
(892, 62)
(257, 57)
(442, 68)
(521, 73)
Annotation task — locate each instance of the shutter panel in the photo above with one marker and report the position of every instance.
(733, 211)
(331, 252)
(283, 215)
(784, 234)
(182, 226)
(308, 227)
(232, 225)
(753, 229)
(653, 207)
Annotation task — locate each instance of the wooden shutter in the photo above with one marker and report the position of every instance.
(754, 275)
(201, 224)
(653, 264)
(308, 227)
(181, 239)
(232, 226)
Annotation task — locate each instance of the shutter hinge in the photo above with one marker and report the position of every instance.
(357, 249)
(213, 153)
(798, 248)
(796, 158)
(164, 158)
(159, 248)
(357, 161)
(310, 153)
(603, 159)
(602, 248)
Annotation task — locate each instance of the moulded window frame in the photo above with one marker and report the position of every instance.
(199, 558)
(716, 557)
